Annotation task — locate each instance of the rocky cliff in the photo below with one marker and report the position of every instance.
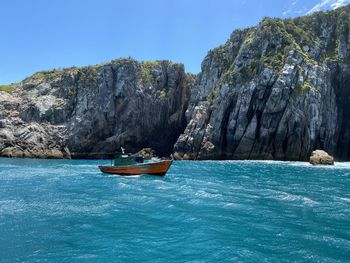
(93, 111)
(278, 90)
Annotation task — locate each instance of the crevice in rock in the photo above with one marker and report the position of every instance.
(224, 127)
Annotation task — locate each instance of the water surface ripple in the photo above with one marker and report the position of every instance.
(67, 211)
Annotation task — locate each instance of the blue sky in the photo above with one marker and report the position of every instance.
(40, 35)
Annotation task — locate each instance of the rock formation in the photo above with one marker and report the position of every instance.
(320, 157)
(146, 153)
(93, 111)
(278, 90)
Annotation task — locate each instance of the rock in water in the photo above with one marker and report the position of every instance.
(321, 157)
(146, 153)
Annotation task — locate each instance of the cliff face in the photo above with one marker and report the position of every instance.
(274, 91)
(278, 90)
(93, 111)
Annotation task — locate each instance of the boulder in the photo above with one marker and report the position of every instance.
(320, 157)
(177, 156)
(146, 153)
(12, 152)
(54, 154)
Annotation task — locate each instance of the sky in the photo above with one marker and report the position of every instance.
(43, 35)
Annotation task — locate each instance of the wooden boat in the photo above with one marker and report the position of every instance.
(126, 164)
(154, 168)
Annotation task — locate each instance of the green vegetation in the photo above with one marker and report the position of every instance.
(88, 75)
(336, 23)
(275, 28)
(274, 61)
(147, 74)
(220, 54)
(249, 39)
(7, 88)
(162, 94)
(266, 21)
(280, 37)
(119, 60)
(294, 36)
(242, 75)
(300, 32)
(304, 88)
(305, 55)
(212, 97)
(273, 56)
(332, 50)
(250, 70)
(49, 75)
(46, 75)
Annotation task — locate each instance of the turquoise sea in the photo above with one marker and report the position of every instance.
(208, 211)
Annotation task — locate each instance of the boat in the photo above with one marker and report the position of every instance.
(127, 165)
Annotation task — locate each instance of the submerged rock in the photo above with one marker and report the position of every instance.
(321, 157)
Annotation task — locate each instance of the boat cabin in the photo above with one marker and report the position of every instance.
(122, 159)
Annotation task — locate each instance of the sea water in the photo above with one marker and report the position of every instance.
(201, 211)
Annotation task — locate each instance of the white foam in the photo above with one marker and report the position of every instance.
(87, 256)
(132, 176)
(232, 205)
(292, 198)
(344, 199)
(203, 193)
(125, 177)
(337, 165)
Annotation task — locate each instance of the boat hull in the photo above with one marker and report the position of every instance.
(156, 168)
